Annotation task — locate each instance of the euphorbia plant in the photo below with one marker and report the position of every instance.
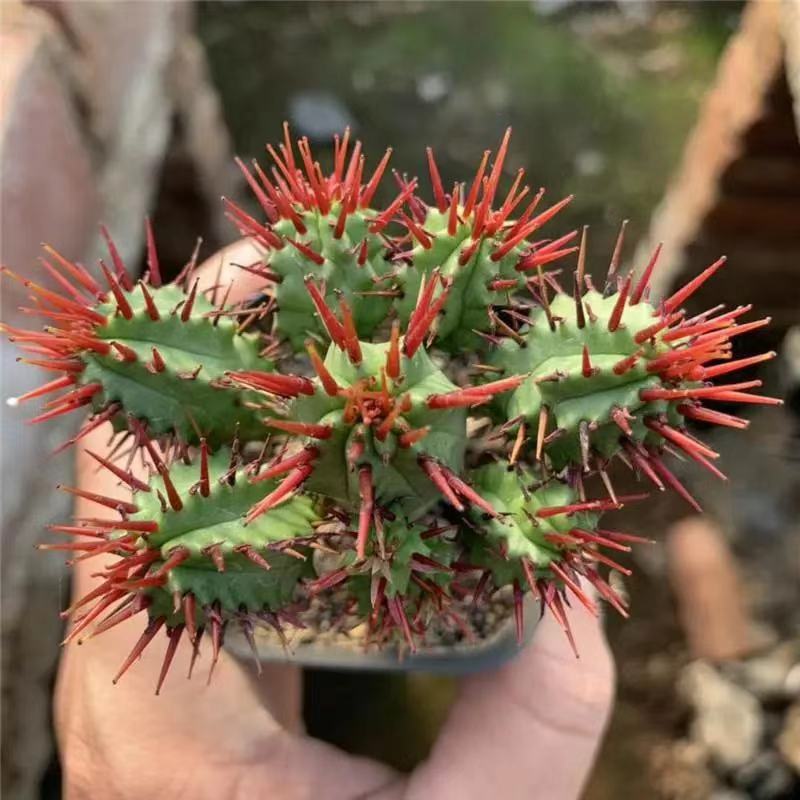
(333, 415)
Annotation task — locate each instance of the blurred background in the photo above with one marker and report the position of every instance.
(682, 117)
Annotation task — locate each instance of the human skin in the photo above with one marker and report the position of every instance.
(529, 729)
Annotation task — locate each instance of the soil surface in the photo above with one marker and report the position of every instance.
(328, 624)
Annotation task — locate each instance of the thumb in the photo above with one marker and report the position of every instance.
(225, 273)
(530, 729)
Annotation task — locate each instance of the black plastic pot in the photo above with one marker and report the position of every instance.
(460, 659)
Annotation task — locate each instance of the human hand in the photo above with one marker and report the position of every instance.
(527, 730)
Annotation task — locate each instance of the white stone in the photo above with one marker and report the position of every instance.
(728, 719)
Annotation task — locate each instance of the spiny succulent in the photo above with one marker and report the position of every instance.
(612, 373)
(323, 226)
(351, 465)
(483, 253)
(184, 556)
(144, 350)
(404, 580)
(544, 535)
(383, 422)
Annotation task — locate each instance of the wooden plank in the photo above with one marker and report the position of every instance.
(737, 100)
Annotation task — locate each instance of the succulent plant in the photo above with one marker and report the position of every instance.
(184, 556)
(147, 351)
(345, 409)
(611, 373)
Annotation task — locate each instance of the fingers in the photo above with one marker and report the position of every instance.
(224, 269)
(530, 729)
(193, 740)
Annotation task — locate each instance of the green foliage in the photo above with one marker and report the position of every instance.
(341, 273)
(183, 397)
(554, 360)
(396, 472)
(228, 578)
(517, 533)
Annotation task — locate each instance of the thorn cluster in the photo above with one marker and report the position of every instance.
(125, 349)
(368, 491)
(612, 374)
